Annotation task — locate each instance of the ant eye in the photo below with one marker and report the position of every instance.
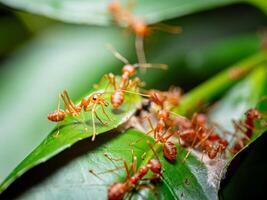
(94, 98)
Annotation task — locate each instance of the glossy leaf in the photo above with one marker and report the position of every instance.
(258, 76)
(245, 95)
(95, 12)
(73, 129)
(70, 178)
(62, 57)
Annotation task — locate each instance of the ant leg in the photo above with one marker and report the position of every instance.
(103, 110)
(93, 122)
(66, 104)
(112, 80)
(154, 151)
(95, 174)
(104, 123)
(134, 165)
(58, 108)
(166, 28)
(170, 135)
(154, 177)
(146, 186)
(204, 139)
(152, 130)
(140, 139)
(139, 46)
(70, 102)
(127, 170)
(117, 54)
(137, 93)
(193, 143)
(113, 160)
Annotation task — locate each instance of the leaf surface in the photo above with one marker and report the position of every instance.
(73, 129)
(96, 12)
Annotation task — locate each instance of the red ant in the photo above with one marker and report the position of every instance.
(128, 70)
(118, 190)
(88, 104)
(246, 127)
(162, 127)
(71, 109)
(196, 134)
(124, 17)
(164, 99)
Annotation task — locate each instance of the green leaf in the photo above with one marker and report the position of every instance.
(95, 12)
(261, 4)
(33, 75)
(74, 129)
(243, 96)
(180, 180)
(253, 82)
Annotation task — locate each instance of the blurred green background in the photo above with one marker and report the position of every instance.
(39, 57)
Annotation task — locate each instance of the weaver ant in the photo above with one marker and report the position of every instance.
(166, 99)
(162, 131)
(124, 17)
(246, 127)
(196, 134)
(118, 190)
(88, 104)
(71, 109)
(125, 84)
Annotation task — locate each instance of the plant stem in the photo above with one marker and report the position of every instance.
(216, 86)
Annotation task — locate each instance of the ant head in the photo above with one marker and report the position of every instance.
(130, 69)
(223, 143)
(116, 191)
(114, 7)
(140, 28)
(157, 97)
(96, 97)
(253, 113)
(201, 119)
(163, 114)
(155, 166)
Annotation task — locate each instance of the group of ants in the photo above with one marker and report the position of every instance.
(196, 132)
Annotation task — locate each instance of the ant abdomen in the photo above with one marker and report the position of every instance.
(56, 116)
(170, 151)
(117, 98)
(116, 191)
(155, 166)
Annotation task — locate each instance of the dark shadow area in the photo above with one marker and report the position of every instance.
(39, 173)
(246, 177)
(189, 47)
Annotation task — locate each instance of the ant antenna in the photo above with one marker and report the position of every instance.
(117, 54)
(167, 28)
(152, 65)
